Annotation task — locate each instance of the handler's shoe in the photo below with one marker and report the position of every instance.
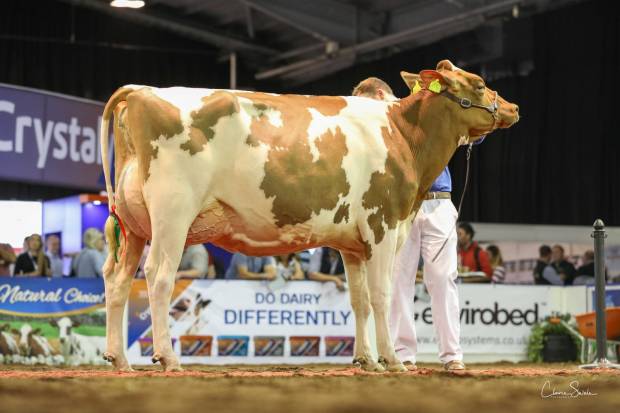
(410, 366)
(454, 365)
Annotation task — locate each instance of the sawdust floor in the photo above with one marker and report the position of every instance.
(502, 387)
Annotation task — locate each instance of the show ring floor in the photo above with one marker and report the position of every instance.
(308, 388)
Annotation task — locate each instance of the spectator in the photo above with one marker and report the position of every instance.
(585, 273)
(89, 262)
(304, 260)
(7, 257)
(195, 263)
(251, 268)
(587, 265)
(53, 253)
(289, 267)
(565, 269)
(473, 258)
(497, 263)
(326, 265)
(544, 259)
(33, 262)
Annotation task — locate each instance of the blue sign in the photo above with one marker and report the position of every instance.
(49, 138)
(50, 297)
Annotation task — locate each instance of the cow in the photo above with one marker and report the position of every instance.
(76, 348)
(269, 174)
(35, 348)
(9, 349)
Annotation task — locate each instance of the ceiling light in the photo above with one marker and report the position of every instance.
(132, 4)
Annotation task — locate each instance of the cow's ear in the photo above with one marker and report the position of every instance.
(16, 331)
(54, 323)
(446, 65)
(76, 324)
(411, 80)
(36, 331)
(435, 81)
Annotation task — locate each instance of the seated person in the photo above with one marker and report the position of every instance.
(289, 267)
(195, 263)
(587, 266)
(89, 262)
(585, 273)
(497, 263)
(326, 265)
(243, 267)
(33, 262)
(472, 257)
(53, 253)
(7, 257)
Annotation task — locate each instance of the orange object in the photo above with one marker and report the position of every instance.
(586, 323)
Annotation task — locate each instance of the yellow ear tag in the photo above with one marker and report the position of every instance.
(435, 86)
(416, 88)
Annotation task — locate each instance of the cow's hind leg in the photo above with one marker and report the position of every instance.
(170, 224)
(380, 268)
(360, 301)
(117, 277)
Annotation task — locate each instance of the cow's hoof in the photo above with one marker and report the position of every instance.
(368, 364)
(109, 357)
(156, 358)
(396, 367)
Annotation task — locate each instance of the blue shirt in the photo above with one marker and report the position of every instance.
(443, 183)
(253, 264)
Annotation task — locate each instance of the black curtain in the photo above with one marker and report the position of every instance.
(54, 46)
(559, 164)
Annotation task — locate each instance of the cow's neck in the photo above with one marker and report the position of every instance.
(432, 127)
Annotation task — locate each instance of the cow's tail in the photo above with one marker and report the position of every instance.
(114, 226)
(118, 96)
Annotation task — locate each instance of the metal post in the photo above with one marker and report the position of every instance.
(601, 322)
(233, 70)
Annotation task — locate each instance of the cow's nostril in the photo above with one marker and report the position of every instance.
(516, 108)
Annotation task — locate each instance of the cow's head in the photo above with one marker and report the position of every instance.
(482, 110)
(23, 333)
(65, 326)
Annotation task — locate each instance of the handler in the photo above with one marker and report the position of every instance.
(434, 222)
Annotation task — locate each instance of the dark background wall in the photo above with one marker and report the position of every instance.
(559, 165)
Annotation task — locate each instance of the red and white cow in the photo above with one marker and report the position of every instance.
(35, 348)
(268, 174)
(9, 349)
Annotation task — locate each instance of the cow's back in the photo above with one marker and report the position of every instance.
(268, 171)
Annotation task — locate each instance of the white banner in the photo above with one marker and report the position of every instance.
(495, 320)
(223, 322)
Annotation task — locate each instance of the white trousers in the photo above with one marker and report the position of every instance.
(433, 224)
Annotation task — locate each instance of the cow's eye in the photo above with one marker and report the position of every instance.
(481, 88)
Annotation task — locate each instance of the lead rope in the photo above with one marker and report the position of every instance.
(458, 211)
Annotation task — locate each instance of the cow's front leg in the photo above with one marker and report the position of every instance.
(360, 302)
(380, 268)
(117, 279)
(169, 232)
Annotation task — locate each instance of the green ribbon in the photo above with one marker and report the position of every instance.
(117, 237)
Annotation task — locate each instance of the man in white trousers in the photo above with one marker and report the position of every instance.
(434, 223)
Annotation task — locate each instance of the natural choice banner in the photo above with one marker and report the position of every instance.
(45, 321)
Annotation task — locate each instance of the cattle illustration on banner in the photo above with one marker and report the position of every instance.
(52, 321)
